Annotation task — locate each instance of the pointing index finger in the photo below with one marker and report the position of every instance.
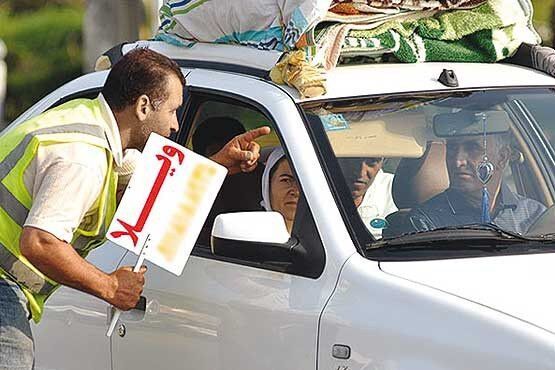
(256, 133)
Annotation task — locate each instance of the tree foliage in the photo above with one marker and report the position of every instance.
(44, 51)
(29, 6)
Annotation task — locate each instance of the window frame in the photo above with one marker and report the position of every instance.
(196, 96)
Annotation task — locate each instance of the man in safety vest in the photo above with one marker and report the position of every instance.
(58, 191)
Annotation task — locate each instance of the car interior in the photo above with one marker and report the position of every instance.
(417, 160)
(240, 192)
(413, 153)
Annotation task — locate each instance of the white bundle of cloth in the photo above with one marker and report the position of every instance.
(264, 24)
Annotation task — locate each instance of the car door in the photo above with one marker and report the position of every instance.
(229, 313)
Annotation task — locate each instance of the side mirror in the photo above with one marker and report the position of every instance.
(252, 236)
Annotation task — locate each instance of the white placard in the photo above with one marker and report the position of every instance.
(167, 200)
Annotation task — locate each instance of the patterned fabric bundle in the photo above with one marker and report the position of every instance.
(294, 70)
(329, 31)
(378, 6)
(489, 32)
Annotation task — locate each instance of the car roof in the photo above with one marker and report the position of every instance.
(231, 58)
(346, 81)
(373, 79)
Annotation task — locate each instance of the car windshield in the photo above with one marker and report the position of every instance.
(412, 165)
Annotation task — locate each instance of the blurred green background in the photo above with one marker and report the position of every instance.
(44, 42)
(50, 42)
(47, 45)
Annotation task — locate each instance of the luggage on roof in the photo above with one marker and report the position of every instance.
(333, 30)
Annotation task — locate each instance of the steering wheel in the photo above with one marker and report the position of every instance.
(544, 224)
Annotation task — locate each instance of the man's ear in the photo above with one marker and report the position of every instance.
(143, 107)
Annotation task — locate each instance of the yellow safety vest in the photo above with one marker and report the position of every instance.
(79, 120)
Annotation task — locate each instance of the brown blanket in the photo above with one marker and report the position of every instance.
(379, 6)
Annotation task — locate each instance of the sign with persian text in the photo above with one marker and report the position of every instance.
(166, 203)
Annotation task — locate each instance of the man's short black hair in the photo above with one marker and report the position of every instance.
(216, 131)
(139, 72)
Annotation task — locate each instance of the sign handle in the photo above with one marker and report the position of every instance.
(137, 267)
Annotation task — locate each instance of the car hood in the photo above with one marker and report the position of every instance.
(520, 286)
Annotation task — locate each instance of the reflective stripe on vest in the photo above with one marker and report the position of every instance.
(10, 263)
(22, 274)
(82, 242)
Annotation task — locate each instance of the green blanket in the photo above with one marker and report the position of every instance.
(488, 33)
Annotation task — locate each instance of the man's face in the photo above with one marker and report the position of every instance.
(464, 154)
(162, 118)
(360, 173)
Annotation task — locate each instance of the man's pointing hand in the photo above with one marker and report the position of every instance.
(242, 152)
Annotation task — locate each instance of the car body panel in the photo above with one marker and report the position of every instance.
(361, 79)
(516, 285)
(72, 332)
(219, 315)
(391, 323)
(346, 81)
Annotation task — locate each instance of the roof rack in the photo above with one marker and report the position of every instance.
(220, 57)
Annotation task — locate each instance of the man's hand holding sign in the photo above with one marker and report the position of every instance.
(162, 212)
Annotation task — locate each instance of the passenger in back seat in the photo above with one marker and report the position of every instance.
(240, 192)
(213, 133)
(371, 190)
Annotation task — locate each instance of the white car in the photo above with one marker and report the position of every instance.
(427, 295)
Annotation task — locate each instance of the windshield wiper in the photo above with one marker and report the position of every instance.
(488, 237)
(549, 237)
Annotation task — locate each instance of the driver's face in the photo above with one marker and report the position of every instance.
(464, 154)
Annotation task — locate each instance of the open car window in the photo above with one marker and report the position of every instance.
(214, 122)
(211, 121)
(441, 160)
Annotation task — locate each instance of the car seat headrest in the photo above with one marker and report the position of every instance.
(419, 179)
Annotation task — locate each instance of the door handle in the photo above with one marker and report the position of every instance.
(137, 313)
(141, 304)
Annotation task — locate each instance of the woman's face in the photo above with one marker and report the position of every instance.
(284, 191)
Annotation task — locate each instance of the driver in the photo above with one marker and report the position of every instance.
(461, 203)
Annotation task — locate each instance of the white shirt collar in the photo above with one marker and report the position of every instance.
(372, 192)
(112, 131)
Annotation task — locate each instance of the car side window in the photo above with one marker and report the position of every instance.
(212, 121)
(539, 107)
(214, 124)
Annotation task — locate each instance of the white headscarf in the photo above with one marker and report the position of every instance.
(273, 159)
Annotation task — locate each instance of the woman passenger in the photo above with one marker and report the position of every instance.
(280, 191)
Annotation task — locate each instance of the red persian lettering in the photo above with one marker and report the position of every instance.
(132, 230)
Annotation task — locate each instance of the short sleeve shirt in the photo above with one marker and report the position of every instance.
(65, 179)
